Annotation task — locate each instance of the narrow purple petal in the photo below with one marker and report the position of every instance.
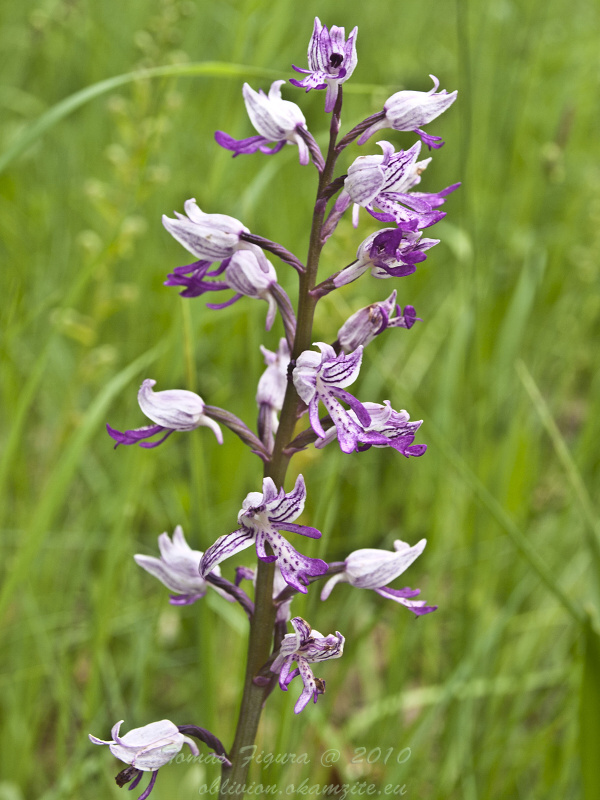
(230, 302)
(223, 548)
(361, 412)
(304, 530)
(145, 794)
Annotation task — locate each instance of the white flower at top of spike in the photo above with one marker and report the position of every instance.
(331, 61)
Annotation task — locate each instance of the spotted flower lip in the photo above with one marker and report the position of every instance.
(207, 236)
(387, 428)
(331, 61)
(374, 569)
(410, 110)
(384, 182)
(305, 646)
(323, 378)
(260, 519)
(171, 410)
(367, 323)
(177, 569)
(277, 121)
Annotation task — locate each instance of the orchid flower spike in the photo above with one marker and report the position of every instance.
(331, 61)
(277, 121)
(374, 569)
(305, 646)
(409, 111)
(172, 410)
(177, 569)
(260, 519)
(145, 750)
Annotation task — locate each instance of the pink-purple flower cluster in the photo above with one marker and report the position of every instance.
(297, 383)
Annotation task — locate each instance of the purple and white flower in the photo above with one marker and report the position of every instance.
(271, 391)
(387, 428)
(409, 111)
(367, 323)
(389, 253)
(211, 237)
(331, 61)
(384, 183)
(323, 378)
(248, 272)
(305, 646)
(277, 121)
(374, 569)
(145, 749)
(171, 410)
(177, 569)
(260, 519)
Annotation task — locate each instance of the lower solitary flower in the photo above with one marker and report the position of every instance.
(305, 646)
(145, 750)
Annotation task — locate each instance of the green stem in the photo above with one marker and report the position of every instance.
(263, 621)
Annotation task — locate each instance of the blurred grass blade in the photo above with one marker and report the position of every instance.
(588, 511)
(589, 715)
(57, 486)
(210, 69)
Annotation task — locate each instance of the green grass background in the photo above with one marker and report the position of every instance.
(497, 694)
